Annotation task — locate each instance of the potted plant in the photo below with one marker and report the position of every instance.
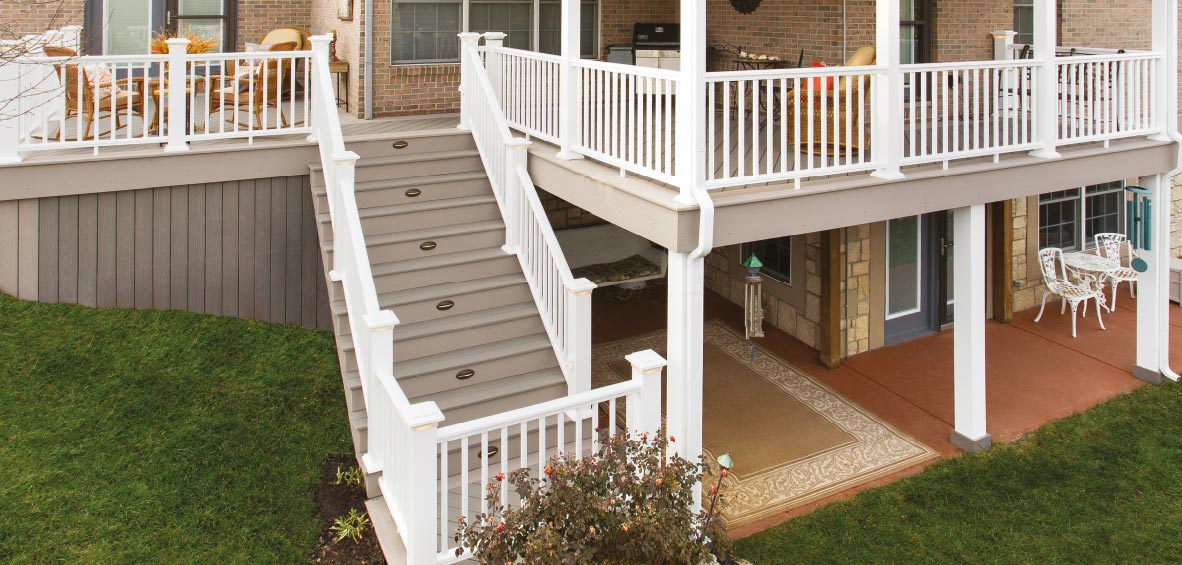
(627, 503)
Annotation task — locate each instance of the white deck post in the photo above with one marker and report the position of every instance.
(176, 98)
(578, 332)
(886, 129)
(10, 118)
(1003, 44)
(644, 417)
(468, 41)
(72, 37)
(569, 81)
(516, 156)
(969, 336)
(1046, 83)
(494, 41)
(1164, 26)
(1153, 322)
(684, 398)
(320, 45)
(421, 483)
(690, 144)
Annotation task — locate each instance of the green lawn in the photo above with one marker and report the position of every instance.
(161, 437)
(1104, 486)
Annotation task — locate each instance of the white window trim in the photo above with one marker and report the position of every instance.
(1084, 238)
(918, 271)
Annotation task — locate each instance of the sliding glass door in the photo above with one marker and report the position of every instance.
(126, 27)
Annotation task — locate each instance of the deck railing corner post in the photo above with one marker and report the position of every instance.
(177, 99)
(644, 416)
(420, 484)
(578, 332)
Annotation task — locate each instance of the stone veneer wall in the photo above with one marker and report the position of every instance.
(855, 324)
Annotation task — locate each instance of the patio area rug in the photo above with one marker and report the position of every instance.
(793, 439)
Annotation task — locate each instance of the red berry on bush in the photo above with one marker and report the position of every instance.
(672, 439)
(660, 481)
(726, 473)
(500, 526)
(549, 470)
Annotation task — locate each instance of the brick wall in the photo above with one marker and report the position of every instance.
(25, 17)
(617, 17)
(258, 17)
(323, 18)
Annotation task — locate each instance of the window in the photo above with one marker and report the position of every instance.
(913, 31)
(776, 256)
(424, 31)
(1024, 22)
(1101, 208)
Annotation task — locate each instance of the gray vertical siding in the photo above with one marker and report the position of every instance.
(243, 248)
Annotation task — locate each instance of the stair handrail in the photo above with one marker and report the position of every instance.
(563, 301)
(402, 436)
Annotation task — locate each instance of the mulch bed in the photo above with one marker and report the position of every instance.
(334, 501)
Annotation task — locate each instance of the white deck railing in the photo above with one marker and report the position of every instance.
(101, 101)
(563, 301)
(778, 125)
(961, 110)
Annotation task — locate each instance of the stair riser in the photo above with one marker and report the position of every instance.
(418, 168)
(431, 218)
(355, 398)
(469, 337)
(487, 371)
(429, 191)
(414, 145)
(471, 412)
(471, 302)
(475, 270)
(360, 438)
(390, 252)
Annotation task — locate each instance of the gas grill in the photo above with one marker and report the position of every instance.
(657, 45)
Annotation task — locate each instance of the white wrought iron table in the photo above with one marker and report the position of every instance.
(1091, 267)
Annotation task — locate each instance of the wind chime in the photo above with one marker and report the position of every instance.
(753, 300)
(1139, 224)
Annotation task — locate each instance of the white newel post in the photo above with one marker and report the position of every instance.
(569, 81)
(468, 42)
(493, 41)
(1046, 83)
(886, 130)
(320, 46)
(346, 172)
(1153, 322)
(175, 95)
(1003, 44)
(968, 262)
(578, 333)
(10, 118)
(421, 483)
(644, 416)
(381, 345)
(516, 156)
(72, 37)
(690, 143)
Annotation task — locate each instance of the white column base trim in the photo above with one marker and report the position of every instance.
(568, 155)
(1160, 137)
(1151, 376)
(966, 443)
(890, 173)
(176, 148)
(1045, 154)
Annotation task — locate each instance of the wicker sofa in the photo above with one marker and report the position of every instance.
(836, 106)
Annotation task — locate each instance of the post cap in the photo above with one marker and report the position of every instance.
(325, 38)
(424, 415)
(178, 41)
(646, 361)
(580, 286)
(495, 35)
(381, 321)
(469, 36)
(1003, 33)
(345, 158)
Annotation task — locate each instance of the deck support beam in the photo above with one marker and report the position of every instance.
(886, 137)
(684, 383)
(1153, 321)
(1002, 283)
(968, 262)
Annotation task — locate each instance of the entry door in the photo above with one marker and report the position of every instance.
(918, 270)
(126, 27)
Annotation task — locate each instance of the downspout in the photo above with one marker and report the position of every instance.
(367, 71)
(705, 224)
(1164, 349)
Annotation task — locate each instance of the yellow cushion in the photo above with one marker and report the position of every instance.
(862, 57)
(284, 35)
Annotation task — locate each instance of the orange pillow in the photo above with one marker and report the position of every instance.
(817, 80)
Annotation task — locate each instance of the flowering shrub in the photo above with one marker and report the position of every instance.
(624, 504)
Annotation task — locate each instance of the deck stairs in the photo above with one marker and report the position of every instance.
(470, 336)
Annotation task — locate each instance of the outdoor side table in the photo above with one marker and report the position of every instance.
(340, 72)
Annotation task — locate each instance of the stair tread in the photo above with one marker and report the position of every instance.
(473, 355)
(417, 207)
(384, 184)
(437, 261)
(441, 290)
(458, 322)
(399, 159)
(493, 390)
(429, 233)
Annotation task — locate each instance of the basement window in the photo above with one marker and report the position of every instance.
(776, 256)
(1068, 219)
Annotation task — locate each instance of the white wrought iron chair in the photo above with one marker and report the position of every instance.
(1054, 275)
(1108, 245)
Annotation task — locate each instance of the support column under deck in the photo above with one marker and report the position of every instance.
(1153, 323)
(684, 385)
(969, 432)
